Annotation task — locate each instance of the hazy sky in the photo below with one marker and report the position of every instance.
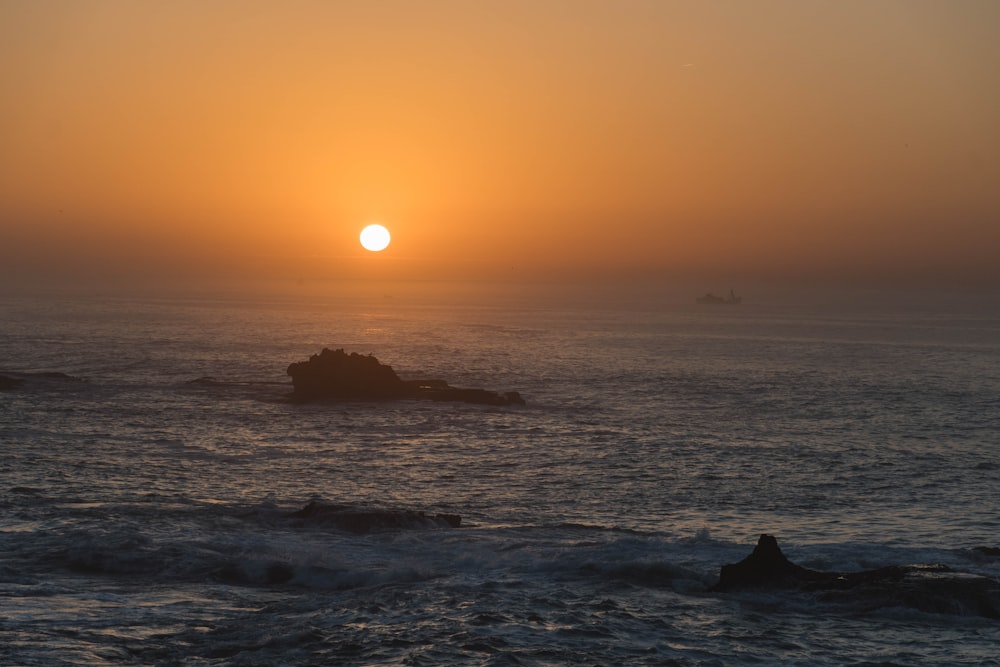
(715, 141)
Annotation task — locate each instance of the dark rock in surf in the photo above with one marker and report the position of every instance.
(339, 375)
(479, 396)
(317, 514)
(929, 588)
(766, 567)
(362, 521)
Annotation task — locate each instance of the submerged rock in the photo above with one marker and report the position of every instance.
(337, 374)
(929, 588)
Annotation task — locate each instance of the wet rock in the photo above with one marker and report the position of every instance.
(336, 374)
(930, 588)
(339, 375)
(767, 567)
(480, 396)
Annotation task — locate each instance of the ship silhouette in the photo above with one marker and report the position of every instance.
(730, 300)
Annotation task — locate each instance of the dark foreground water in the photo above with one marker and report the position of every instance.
(146, 519)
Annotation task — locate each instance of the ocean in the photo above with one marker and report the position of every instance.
(154, 471)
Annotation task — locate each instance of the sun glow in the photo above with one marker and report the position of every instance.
(375, 238)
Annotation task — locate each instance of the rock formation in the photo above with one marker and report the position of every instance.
(337, 374)
(765, 567)
(929, 588)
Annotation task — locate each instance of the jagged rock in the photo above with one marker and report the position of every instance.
(337, 374)
(765, 567)
(930, 588)
(362, 521)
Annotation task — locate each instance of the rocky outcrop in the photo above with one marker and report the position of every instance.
(765, 567)
(480, 396)
(339, 375)
(929, 588)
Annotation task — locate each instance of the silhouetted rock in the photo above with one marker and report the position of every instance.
(337, 374)
(481, 396)
(766, 567)
(362, 521)
(929, 588)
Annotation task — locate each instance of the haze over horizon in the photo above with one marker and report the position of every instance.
(725, 142)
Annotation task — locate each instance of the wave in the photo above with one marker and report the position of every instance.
(325, 545)
(361, 520)
(257, 572)
(11, 380)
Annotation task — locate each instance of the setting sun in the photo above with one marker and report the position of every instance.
(375, 238)
(211, 143)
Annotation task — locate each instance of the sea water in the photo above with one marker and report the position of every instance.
(147, 519)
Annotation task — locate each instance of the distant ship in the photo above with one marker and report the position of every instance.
(730, 300)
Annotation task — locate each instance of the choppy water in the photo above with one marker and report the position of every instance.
(145, 519)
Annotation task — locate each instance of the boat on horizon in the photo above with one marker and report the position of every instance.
(730, 300)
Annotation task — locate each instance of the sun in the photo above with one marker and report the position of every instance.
(375, 238)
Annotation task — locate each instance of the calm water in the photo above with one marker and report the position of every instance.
(145, 519)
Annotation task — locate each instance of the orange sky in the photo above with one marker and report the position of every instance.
(710, 141)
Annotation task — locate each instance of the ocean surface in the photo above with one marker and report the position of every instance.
(150, 516)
